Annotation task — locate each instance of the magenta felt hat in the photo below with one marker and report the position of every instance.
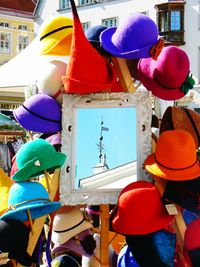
(39, 113)
(134, 38)
(168, 77)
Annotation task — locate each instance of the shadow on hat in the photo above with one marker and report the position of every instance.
(140, 210)
(49, 79)
(96, 73)
(14, 238)
(164, 77)
(64, 260)
(126, 259)
(136, 37)
(154, 249)
(180, 162)
(184, 193)
(39, 113)
(35, 157)
(184, 119)
(67, 223)
(28, 201)
(55, 36)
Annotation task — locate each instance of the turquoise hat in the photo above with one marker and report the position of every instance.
(36, 156)
(30, 196)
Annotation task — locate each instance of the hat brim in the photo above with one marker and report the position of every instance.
(33, 123)
(61, 238)
(145, 71)
(36, 210)
(30, 170)
(175, 175)
(107, 44)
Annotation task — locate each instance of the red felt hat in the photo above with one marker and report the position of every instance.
(191, 238)
(140, 210)
(87, 71)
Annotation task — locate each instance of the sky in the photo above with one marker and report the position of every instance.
(119, 138)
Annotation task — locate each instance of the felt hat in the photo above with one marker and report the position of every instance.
(64, 260)
(68, 223)
(135, 37)
(55, 36)
(30, 196)
(5, 184)
(182, 118)
(93, 33)
(140, 210)
(175, 157)
(184, 193)
(54, 139)
(49, 80)
(164, 77)
(87, 71)
(34, 157)
(154, 249)
(189, 216)
(191, 237)
(76, 244)
(126, 259)
(39, 113)
(14, 238)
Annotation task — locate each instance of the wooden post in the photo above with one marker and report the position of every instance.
(104, 229)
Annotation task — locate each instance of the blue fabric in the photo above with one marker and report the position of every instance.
(125, 258)
(189, 216)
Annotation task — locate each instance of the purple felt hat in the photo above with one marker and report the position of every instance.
(168, 77)
(39, 113)
(134, 38)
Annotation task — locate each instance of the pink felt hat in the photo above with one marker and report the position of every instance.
(168, 77)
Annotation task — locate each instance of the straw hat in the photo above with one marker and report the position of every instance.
(175, 157)
(68, 223)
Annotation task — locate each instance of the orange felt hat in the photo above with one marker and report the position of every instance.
(87, 71)
(175, 157)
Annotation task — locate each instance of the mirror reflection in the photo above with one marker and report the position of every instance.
(106, 147)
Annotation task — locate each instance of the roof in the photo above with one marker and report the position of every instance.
(12, 7)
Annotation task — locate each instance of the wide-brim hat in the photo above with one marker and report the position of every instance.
(5, 184)
(175, 157)
(182, 118)
(35, 157)
(134, 38)
(87, 71)
(68, 223)
(39, 113)
(55, 36)
(164, 77)
(154, 249)
(191, 237)
(14, 238)
(140, 210)
(29, 196)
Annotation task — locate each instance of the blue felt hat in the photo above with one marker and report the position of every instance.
(30, 196)
(125, 258)
(93, 33)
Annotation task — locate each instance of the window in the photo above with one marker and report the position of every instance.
(170, 19)
(111, 22)
(23, 43)
(5, 43)
(86, 25)
(86, 2)
(64, 4)
(22, 27)
(4, 24)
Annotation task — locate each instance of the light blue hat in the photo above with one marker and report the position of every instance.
(30, 196)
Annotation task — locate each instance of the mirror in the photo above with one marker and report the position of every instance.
(106, 138)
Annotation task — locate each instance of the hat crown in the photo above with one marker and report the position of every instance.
(26, 191)
(135, 32)
(93, 33)
(172, 67)
(33, 149)
(176, 149)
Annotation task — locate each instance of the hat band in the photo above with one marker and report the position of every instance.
(56, 30)
(174, 169)
(66, 230)
(13, 207)
(39, 116)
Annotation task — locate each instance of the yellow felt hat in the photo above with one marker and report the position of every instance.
(55, 36)
(5, 184)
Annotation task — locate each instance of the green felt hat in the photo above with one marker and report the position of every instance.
(35, 157)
